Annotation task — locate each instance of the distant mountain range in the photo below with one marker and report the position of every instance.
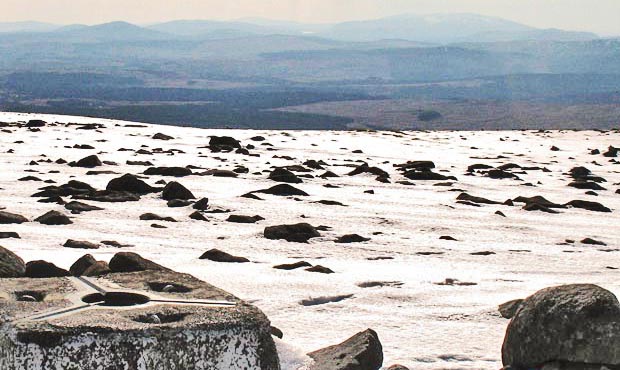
(435, 29)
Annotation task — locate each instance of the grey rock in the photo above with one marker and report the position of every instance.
(577, 323)
(363, 351)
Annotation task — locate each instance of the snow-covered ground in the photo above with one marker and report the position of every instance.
(421, 324)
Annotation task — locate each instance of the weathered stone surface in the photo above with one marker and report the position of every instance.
(11, 265)
(363, 351)
(577, 323)
(151, 328)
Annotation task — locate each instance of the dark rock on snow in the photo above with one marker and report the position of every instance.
(174, 190)
(168, 171)
(131, 184)
(220, 256)
(53, 218)
(11, 218)
(352, 238)
(244, 219)
(132, 262)
(80, 244)
(292, 266)
(363, 351)
(299, 233)
(283, 190)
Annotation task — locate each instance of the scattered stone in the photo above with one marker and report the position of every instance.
(590, 206)
(538, 207)
(483, 253)
(281, 174)
(283, 190)
(365, 168)
(510, 308)
(83, 263)
(11, 218)
(591, 241)
(88, 162)
(244, 219)
(202, 204)
(168, 171)
(53, 218)
(470, 198)
(292, 266)
(363, 351)
(299, 233)
(9, 235)
(131, 184)
(154, 217)
(160, 136)
(132, 262)
(35, 123)
(80, 244)
(450, 282)
(352, 238)
(330, 203)
(43, 269)
(174, 190)
(115, 244)
(320, 269)
(220, 256)
(77, 207)
(198, 216)
(323, 300)
(223, 144)
(11, 265)
(538, 200)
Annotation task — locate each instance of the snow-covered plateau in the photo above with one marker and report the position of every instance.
(395, 283)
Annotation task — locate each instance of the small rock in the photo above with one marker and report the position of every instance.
(220, 256)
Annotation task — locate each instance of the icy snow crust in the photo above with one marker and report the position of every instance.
(421, 325)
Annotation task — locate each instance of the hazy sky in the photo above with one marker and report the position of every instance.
(601, 16)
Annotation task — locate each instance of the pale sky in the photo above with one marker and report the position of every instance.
(600, 16)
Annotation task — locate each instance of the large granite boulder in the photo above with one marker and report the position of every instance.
(363, 351)
(574, 325)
